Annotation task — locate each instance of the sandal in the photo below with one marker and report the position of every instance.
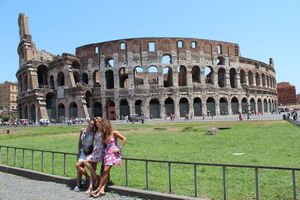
(98, 194)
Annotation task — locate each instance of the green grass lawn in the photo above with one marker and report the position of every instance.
(270, 143)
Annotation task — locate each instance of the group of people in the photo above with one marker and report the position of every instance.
(97, 143)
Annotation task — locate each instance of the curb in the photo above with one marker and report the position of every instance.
(126, 191)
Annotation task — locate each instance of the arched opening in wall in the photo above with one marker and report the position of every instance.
(61, 112)
(73, 111)
(169, 107)
(123, 77)
(52, 86)
(25, 84)
(252, 106)
(32, 117)
(85, 78)
(257, 79)
(109, 62)
(96, 78)
(109, 77)
(110, 110)
(76, 65)
(89, 102)
(233, 78)
(268, 81)
(235, 105)
(168, 77)
(42, 73)
(244, 105)
(152, 75)
(209, 75)
(60, 79)
(97, 109)
(138, 73)
(196, 74)
(124, 108)
(265, 106)
(242, 77)
(20, 109)
(273, 105)
(197, 107)
(259, 106)
(166, 59)
(51, 106)
(220, 60)
(270, 106)
(182, 76)
(76, 77)
(271, 82)
(263, 79)
(26, 112)
(221, 77)
(184, 107)
(250, 78)
(154, 109)
(211, 106)
(223, 106)
(138, 107)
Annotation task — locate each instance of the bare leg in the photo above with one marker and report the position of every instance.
(103, 181)
(93, 174)
(80, 171)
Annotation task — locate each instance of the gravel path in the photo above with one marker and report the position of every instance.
(15, 187)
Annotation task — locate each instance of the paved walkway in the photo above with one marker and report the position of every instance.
(15, 187)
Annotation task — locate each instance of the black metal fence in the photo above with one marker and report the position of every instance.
(170, 164)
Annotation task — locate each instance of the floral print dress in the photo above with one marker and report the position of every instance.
(112, 158)
(97, 154)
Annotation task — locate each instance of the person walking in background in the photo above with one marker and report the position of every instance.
(97, 155)
(112, 154)
(85, 148)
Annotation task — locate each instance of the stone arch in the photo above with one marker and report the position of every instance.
(73, 110)
(244, 105)
(152, 75)
(169, 106)
(168, 76)
(233, 78)
(220, 60)
(252, 105)
(85, 78)
(42, 74)
(154, 108)
(124, 108)
(182, 76)
(184, 107)
(196, 74)
(51, 105)
(235, 105)
(89, 102)
(265, 106)
(242, 77)
(223, 106)
(26, 116)
(221, 77)
(32, 116)
(76, 77)
(211, 106)
(109, 62)
(76, 65)
(270, 106)
(52, 85)
(209, 75)
(250, 78)
(138, 73)
(138, 107)
(96, 78)
(166, 59)
(259, 106)
(97, 109)
(268, 81)
(61, 112)
(263, 80)
(60, 79)
(123, 77)
(197, 107)
(110, 110)
(257, 79)
(109, 77)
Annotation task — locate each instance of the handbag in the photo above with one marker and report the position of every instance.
(88, 150)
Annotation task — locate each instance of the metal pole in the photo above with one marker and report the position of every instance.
(15, 152)
(52, 163)
(32, 159)
(0, 156)
(7, 155)
(147, 178)
(294, 185)
(196, 180)
(256, 184)
(42, 162)
(64, 164)
(126, 172)
(170, 177)
(23, 155)
(224, 182)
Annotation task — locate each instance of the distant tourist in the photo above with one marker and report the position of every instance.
(112, 154)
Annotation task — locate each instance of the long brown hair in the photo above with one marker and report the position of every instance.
(100, 120)
(106, 130)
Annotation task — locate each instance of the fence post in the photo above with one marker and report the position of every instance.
(126, 172)
(23, 158)
(32, 159)
(7, 155)
(42, 162)
(147, 179)
(64, 164)
(15, 152)
(224, 183)
(196, 180)
(52, 163)
(294, 185)
(0, 155)
(170, 177)
(256, 184)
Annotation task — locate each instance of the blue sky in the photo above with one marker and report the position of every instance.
(262, 28)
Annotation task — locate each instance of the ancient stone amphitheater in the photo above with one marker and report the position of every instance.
(154, 77)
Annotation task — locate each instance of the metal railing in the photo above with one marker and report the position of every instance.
(169, 164)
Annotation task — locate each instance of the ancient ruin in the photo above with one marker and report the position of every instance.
(155, 77)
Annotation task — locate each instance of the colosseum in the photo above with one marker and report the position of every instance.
(154, 77)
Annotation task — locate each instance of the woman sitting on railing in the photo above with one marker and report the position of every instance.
(85, 148)
(112, 154)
